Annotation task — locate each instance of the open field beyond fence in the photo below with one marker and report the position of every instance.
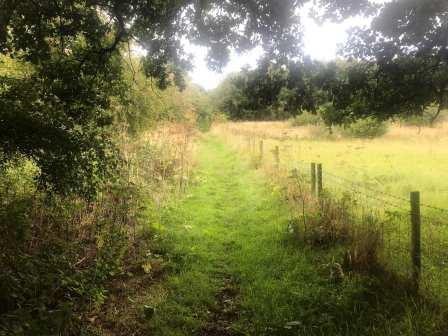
(374, 179)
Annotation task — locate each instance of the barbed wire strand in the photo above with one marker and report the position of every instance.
(429, 206)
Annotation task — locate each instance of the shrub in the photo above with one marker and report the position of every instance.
(306, 119)
(59, 254)
(363, 252)
(365, 128)
(204, 119)
(428, 118)
(417, 121)
(329, 221)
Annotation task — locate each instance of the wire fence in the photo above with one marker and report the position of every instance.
(413, 235)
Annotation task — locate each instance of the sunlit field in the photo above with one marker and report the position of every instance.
(405, 159)
(378, 174)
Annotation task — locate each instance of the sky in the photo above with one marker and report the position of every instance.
(320, 43)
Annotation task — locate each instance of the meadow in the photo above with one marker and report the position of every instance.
(211, 241)
(404, 160)
(374, 177)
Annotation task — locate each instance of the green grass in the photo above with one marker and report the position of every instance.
(394, 166)
(379, 175)
(232, 224)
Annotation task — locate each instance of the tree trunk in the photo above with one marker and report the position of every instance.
(441, 103)
(435, 116)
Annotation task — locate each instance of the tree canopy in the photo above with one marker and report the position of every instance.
(396, 67)
(403, 65)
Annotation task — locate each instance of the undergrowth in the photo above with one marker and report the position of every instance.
(60, 256)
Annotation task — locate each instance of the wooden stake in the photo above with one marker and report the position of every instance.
(277, 157)
(416, 238)
(313, 178)
(319, 180)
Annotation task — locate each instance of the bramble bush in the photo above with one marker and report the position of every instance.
(365, 128)
(306, 119)
(58, 253)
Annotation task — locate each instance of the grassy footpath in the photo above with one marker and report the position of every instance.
(233, 268)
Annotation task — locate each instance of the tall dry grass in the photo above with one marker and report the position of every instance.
(282, 130)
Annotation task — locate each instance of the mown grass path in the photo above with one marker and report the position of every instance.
(234, 271)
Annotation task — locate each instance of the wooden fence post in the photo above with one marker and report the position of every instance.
(313, 178)
(277, 157)
(295, 173)
(416, 238)
(319, 180)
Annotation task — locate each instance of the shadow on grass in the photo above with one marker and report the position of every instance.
(362, 302)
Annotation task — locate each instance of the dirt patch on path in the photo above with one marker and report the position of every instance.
(226, 310)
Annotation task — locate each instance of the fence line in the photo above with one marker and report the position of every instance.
(375, 198)
(429, 206)
(372, 190)
(421, 239)
(355, 185)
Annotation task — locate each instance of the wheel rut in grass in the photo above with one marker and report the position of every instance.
(226, 310)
